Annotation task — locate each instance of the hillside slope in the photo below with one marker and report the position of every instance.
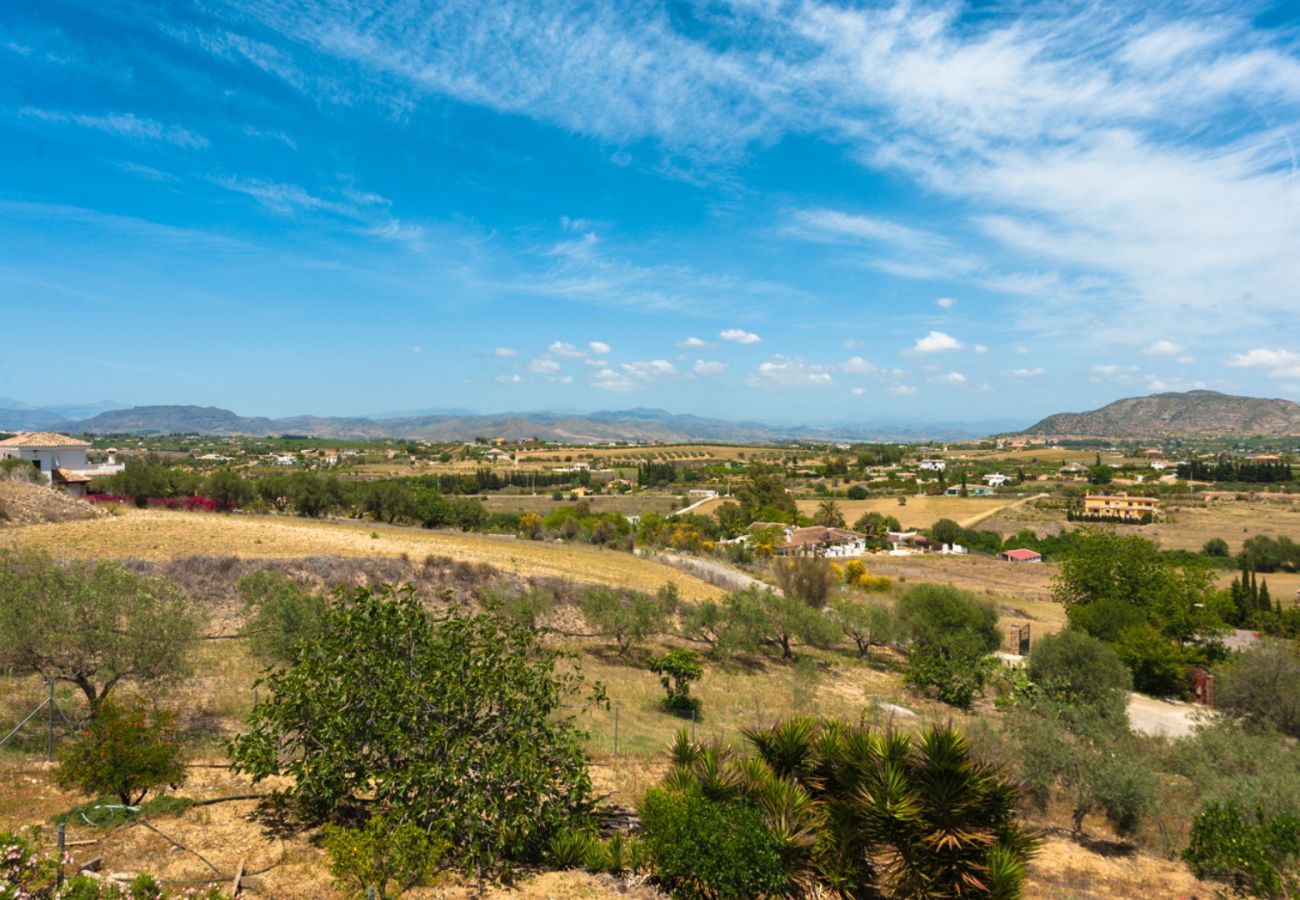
(1177, 414)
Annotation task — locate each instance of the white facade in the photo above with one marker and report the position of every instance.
(933, 465)
(47, 459)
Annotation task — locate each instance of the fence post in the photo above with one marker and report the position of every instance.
(63, 835)
(616, 729)
(49, 726)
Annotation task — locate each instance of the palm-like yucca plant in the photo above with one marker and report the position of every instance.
(938, 814)
(861, 813)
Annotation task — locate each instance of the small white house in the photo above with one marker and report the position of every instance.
(996, 479)
(932, 465)
(60, 459)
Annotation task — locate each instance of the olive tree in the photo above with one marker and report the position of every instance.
(92, 624)
(460, 724)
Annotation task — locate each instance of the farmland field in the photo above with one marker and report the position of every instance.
(150, 534)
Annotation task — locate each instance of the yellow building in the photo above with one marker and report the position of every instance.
(1120, 506)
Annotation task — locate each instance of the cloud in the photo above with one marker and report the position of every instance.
(903, 389)
(505, 352)
(544, 366)
(1278, 363)
(632, 375)
(853, 343)
(856, 365)
(945, 303)
(708, 367)
(692, 343)
(124, 125)
(286, 199)
(569, 351)
(1022, 349)
(1164, 348)
(956, 379)
(980, 348)
(789, 371)
(509, 379)
(414, 349)
(599, 348)
(739, 336)
(857, 391)
(936, 342)
(1027, 373)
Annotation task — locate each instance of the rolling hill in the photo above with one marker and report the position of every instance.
(1193, 413)
(454, 425)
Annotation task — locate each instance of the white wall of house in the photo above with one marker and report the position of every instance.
(49, 458)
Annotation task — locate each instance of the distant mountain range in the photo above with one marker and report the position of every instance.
(1194, 413)
(458, 425)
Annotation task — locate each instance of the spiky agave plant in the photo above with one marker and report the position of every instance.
(943, 822)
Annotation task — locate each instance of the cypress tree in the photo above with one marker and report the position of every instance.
(1265, 601)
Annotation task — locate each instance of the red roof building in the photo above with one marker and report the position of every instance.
(1021, 555)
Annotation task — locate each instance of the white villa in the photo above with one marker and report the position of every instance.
(997, 479)
(932, 465)
(59, 458)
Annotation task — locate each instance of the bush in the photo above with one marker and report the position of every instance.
(677, 670)
(1159, 666)
(1079, 669)
(1257, 860)
(281, 613)
(1263, 684)
(808, 579)
(1216, 547)
(94, 625)
(460, 724)
(389, 855)
(715, 850)
(867, 624)
(126, 752)
(24, 869)
(628, 617)
(953, 633)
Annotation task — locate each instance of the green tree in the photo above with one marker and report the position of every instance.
(1263, 685)
(953, 632)
(1256, 859)
(228, 489)
(281, 613)
(459, 724)
(764, 489)
(867, 624)
(1078, 669)
(124, 752)
(92, 624)
(678, 669)
(828, 514)
(628, 617)
(1216, 547)
(946, 531)
(387, 854)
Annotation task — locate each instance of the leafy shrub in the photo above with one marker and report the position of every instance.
(1264, 684)
(628, 617)
(460, 724)
(1078, 668)
(1159, 666)
(1216, 547)
(953, 632)
(94, 625)
(281, 613)
(707, 849)
(24, 869)
(1259, 859)
(867, 624)
(124, 751)
(808, 579)
(389, 855)
(677, 670)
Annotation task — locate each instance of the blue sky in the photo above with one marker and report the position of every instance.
(789, 211)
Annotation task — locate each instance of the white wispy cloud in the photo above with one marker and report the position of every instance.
(903, 389)
(414, 349)
(505, 352)
(124, 125)
(569, 351)
(789, 371)
(945, 303)
(1278, 363)
(936, 342)
(956, 379)
(1027, 373)
(708, 367)
(599, 348)
(544, 366)
(692, 343)
(632, 375)
(1163, 347)
(856, 365)
(739, 336)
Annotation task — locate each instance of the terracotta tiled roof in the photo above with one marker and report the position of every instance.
(42, 439)
(1020, 554)
(67, 476)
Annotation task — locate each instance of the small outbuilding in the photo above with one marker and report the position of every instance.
(1021, 555)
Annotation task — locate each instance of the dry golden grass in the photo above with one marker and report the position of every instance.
(917, 512)
(151, 534)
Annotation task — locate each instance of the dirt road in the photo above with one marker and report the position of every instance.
(1160, 717)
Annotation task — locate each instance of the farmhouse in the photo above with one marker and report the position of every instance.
(816, 540)
(932, 465)
(1120, 506)
(996, 479)
(1020, 555)
(59, 458)
(976, 490)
